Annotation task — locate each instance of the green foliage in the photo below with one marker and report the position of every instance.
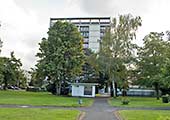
(117, 49)
(154, 62)
(7, 72)
(125, 101)
(90, 73)
(118, 45)
(61, 55)
(11, 72)
(165, 98)
(150, 57)
(36, 77)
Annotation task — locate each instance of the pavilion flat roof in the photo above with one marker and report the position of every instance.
(89, 84)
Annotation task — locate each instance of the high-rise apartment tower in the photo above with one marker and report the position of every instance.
(92, 29)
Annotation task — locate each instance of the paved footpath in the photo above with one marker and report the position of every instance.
(100, 110)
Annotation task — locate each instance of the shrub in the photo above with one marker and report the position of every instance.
(125, 101)
(165, 98)
(51, 88)
(33, 89)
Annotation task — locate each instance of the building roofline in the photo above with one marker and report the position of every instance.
(81, 18)
(91, 84)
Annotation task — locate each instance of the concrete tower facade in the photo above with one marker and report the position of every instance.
(92, 29)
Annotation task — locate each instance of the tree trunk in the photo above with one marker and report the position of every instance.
(106, 89)
(124, 93)
(111, 89)
(5, 83)
(125, 87)
(157, 90)
(58, 88)
(115, 89)
(5, 86)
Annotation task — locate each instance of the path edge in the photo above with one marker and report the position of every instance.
(81, 116)
(117, 115)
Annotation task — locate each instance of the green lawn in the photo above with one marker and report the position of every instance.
(144, 115)
(40, 98)
(139, 102)
(37, 114)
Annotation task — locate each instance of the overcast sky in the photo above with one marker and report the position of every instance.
(25, 22)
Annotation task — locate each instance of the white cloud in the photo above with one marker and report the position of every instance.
(157, 19)
(24, 23)
(20, 32)
(114, 7)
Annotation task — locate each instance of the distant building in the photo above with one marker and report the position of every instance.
(92, 29)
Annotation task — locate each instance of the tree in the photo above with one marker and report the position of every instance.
(61, 55)
(117, 49)
(22, 79)
(10, 69)
(37, 77)
(16, 64)
(89, 74)
(153, 62)
(7, 72)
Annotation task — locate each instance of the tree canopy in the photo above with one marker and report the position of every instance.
(61, 55)
(11, 72)
(117, 48)
(153, 61)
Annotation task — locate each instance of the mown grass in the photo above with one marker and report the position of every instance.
(37, 114)
(40, 98)
(138, 102)
(144, 115)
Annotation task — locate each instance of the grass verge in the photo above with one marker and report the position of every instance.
(40, 98)
(144, 115)
(138, 102)
(37, 114)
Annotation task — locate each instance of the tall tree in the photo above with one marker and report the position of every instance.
(117, 48)
(154, 61)
(22, 79)
(5, 71)
(16, 67)
(61, 55)
(10, 69)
